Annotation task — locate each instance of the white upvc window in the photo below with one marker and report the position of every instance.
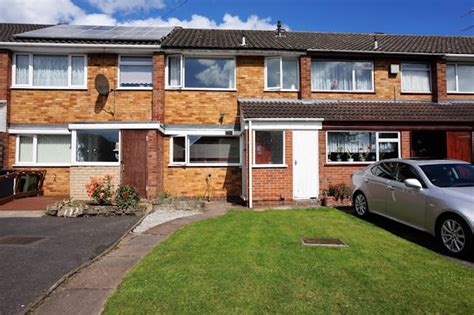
(460, 78)
(96, 147)
(49, 71)
(135, 72)
(197, 150)
(43, 150)
(342, 76)
(281, 74)
(200, 73)
(362, 146)
(416, 77)
(269, 148)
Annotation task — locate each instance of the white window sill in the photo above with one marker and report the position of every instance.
(200, 89)
(279, 90)
(134, 89)
(350, 163)
(457, 92)
(343, 91)
(269, 166)
(416, 92)
(42, 165)
(96, 164)
(19, 87)
(204, 165)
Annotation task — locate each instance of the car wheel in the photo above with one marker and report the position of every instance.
(361, 205)
(455, 236)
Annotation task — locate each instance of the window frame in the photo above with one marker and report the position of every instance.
(125, 63)
(34, 162)
(403, 65)
(313, 89)
(30, 72)
(74, 162)
(187, 151)
(377, 142)
(456, 79)
(182, 86)
(282, 165)
(280, 88)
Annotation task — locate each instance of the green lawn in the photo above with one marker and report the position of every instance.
(253, 262)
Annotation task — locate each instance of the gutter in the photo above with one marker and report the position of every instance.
(375, 52)
(72, 45)
(283, 119)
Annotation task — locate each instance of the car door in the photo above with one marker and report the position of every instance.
(376, 182)
(404, 203)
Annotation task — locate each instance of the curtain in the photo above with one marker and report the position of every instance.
(77, 70)
(451, 77)
(136, 76)
(22, 69)
(363, 79)
(332, 75)
(466, 78)
(416, 77)
(174, 71)
(50, 70)
(54, 149)
(290, 74)
(273, 72)
(26, 149)
(351, 142)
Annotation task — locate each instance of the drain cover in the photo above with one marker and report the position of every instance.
(323, 241)
(19, 240)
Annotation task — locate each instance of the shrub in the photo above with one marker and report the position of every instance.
(101, 190)
(126, 197)
(340, 191)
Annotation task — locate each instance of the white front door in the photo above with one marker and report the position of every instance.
(305, 164)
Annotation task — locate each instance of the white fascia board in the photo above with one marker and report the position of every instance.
(315, 50)
(79, 48)
(282, 124)
(201, 132)
(459, 57)
(39, 131)
(118, 125)
(233, 52)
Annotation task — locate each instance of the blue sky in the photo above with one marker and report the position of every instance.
(389, 16)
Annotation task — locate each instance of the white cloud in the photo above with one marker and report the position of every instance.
(94, 19)
(38, 11)
(112, 6)
(198, 21)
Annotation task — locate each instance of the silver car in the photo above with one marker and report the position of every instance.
(435, 196)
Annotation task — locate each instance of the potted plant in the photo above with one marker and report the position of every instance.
(340, 151)
(336, 195)
(350, 157)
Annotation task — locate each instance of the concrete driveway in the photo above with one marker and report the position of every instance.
(28, 270)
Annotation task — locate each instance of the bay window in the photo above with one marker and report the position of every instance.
(460, 78)
(416, 77)
(135, 72)
(269, 147)
(43, 150)
(205, 150)
(200, 72)
(49, 71)
(342, 76)
(97, 146)
(281, 74)
(362, 146)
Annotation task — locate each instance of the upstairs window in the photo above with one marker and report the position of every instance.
(200, 73)
(460, 78)
(416, 77)
(336, 76)
(135, 72)
(49, 71)
(281, 74)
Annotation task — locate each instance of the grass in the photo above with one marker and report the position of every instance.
(253, 262)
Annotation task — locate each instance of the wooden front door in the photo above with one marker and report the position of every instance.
(134, 160)
(459, 145)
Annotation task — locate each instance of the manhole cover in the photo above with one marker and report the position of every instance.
(19, 240)
(323, 241)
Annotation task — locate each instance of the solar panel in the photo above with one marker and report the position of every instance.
(98, 32)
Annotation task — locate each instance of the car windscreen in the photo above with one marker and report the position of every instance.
(450, 175)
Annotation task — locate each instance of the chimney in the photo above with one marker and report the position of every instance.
(280, 29)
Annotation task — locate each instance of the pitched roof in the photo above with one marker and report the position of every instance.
(7, 30)
(349, 110)
(301, 41)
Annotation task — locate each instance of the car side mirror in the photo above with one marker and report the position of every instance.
(413, 183)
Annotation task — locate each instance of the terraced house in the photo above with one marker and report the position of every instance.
(264, 116)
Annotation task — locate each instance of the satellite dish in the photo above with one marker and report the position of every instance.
(102, 84)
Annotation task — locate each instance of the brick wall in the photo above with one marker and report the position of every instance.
(80, 176)
(56, 182)
(438, 71)
(191, 181)
(3, 149)
(64, 106)
(158, 107)
(305, 77)
(154, 163)
(269, 183)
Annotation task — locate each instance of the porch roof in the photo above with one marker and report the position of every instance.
(352, 110)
